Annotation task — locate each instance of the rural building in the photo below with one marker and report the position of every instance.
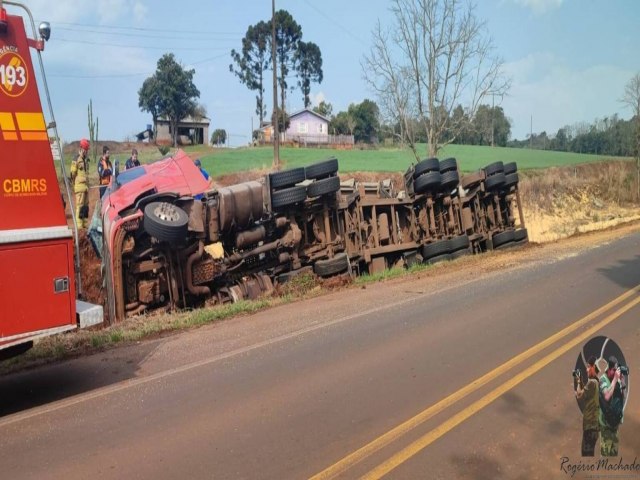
(306, 128)
(191, 131)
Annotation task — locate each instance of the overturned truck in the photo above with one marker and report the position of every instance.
(169, 241)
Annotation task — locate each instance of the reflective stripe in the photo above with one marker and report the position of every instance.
(34, 136)
(30, 121)
(27, 234)
(6, 121)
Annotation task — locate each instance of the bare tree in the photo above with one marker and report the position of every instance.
(436, 55)
(631, 98)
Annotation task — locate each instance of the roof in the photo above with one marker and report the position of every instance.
(308, 110)
(188, 119)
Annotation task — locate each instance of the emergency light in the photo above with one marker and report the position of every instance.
(4, 24)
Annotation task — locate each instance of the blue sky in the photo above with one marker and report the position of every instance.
(569, 60)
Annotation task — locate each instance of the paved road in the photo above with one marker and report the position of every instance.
(395, 373)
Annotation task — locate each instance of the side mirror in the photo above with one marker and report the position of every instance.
(45, 30)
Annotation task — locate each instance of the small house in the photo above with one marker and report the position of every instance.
(191, 131)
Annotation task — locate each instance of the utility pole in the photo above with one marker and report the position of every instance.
(276, 133)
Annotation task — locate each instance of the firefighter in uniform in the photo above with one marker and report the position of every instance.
(80, 180)
(104, 170)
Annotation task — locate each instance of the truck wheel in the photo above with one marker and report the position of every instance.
(510, 167)
(448, 165)
(450, 180)
(166, 222)
(495, 181)
(332, 266)
(520, 235)
(435, 249)
(427, 182)
(460, 242)
(511, 180)
(288, 196)
(286, 178)
(503, 238)
(493, 168)
(323, 187)
(322, 169)
(425, 166)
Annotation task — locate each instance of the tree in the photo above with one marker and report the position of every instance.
(288, 34)
(324, 108)
(364, 120)
(219, 137)
(173, 92)
(631, 98)
(308, 65)
(252, 61)
(149, 100)
(283, 119)
(436, 56)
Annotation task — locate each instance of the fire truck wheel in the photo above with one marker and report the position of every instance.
(495, 181)
(426, 166)
(503, 238)
(510, 167)
(440, 258)
(435, 249)
(286, 178)
(322, 169)
(448, 165)
(511, 180)
(493, 168)
(166, 222)
(428, 182)
(288, 196)
(331, 266)
(323, 187)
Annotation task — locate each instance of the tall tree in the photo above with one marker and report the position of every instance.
(219, 137)
(308, 65)
(366, 120)
(252, 62)
(442, 48)
(288, 35)
(173, 91)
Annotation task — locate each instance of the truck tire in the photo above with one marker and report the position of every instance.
(429, 181)
(510, 167)
(288, 196)
(493, 168)
(435, 249)
(331, 266)
(322, 169)
(495, 181)
(502, 238)
(448, 165)
(450, 180)
(426, 166)
(459, 243)
(323, 187)
(440, 258)
(286, 178)
(521, 235)
(166, 222)
(511, 180)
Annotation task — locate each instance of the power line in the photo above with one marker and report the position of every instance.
(163, 30)
(345, 29)
(138, 35)
(124, 75)
(119, 45)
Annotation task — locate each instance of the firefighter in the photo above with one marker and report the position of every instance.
(80, 180)
(104, 170)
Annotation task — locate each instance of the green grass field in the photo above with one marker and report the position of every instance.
(224, 161)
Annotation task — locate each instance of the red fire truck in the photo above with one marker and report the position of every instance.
(39, 263)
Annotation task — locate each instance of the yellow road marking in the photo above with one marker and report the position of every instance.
(31, 121)
(395, 433)
(424, 441)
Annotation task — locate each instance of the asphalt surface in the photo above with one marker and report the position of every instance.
(292, 391)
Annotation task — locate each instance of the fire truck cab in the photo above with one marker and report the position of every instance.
(39, 263)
